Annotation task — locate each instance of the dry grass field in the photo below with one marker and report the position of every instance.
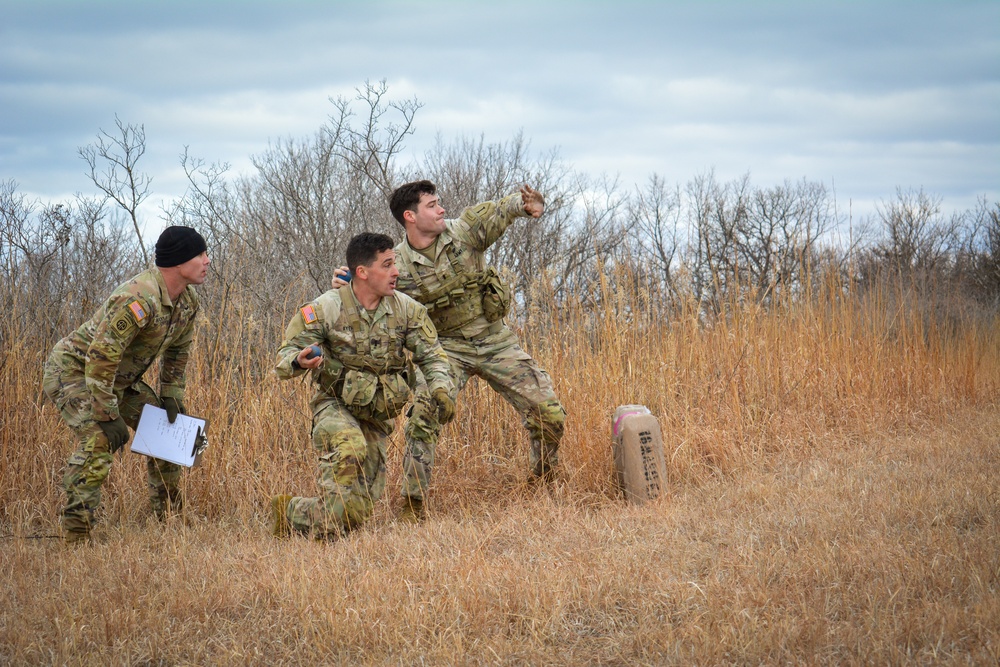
(834, 498)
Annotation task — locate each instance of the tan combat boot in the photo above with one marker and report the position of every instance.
(413, 510)
(280, 526)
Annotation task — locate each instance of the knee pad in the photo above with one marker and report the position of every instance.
(343, 451)
(329, 437)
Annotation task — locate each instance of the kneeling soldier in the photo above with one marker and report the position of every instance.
(352, 340)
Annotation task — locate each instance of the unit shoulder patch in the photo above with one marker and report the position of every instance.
(428, 328)
(128, 318)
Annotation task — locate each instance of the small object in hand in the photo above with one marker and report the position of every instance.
(346, 277)
(314, 352)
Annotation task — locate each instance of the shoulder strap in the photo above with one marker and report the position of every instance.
(421, 285)
(350, 308)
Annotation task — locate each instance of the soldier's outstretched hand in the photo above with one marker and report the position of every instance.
(534, 203)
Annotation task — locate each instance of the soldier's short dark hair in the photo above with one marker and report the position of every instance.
(364, 249)
(407, 197)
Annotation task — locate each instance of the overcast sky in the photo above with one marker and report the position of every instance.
(862, 96)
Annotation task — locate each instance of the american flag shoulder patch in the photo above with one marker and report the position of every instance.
(137, 311)
(308, 314)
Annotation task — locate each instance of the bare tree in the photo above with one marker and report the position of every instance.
(753, 241)
(593, 237)
(471, 171)
(915, 236)
(716, 212)
(120, 180)
(655, 213)
(784, 224)
(990, 269)
(58, 263)
(373, 147)
(978, 261)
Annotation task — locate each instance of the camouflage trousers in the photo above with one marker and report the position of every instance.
(351, 471)
(90, 463)
(511, 372)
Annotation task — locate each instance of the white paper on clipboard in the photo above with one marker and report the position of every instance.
(177, 442)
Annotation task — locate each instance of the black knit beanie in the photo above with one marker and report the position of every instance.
(177, 245)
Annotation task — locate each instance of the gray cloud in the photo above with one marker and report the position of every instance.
(867, 95)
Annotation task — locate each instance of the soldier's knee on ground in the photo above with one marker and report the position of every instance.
(343, 504)
(357, 510)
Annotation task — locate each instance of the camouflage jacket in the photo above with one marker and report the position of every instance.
(464, 241)
(375, 340)
(134, 326)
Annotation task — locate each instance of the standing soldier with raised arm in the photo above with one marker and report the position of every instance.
(353, 341)
(94, 375)
(443, 266)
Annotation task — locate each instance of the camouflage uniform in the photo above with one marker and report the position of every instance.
(94, 375)
(364, 381)
(460, 293)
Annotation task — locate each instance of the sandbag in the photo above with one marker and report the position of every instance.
(640, 467)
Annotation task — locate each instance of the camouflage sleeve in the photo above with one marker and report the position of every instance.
(112, 337)
(481, 225)
(305, 329)
(175, 359)
(422, 341)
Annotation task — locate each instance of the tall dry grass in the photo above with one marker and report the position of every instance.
(833, 475)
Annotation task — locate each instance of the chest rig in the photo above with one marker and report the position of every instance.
(461, 298)
(373, 382)
(390, 344)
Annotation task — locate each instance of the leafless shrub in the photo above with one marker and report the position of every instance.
(752, 242)
(978, 258)
(120, 179)
(57, 263)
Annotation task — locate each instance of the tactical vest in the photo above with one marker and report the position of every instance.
(462, 298)
(370, 387)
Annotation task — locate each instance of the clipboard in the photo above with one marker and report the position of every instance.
(182, 442)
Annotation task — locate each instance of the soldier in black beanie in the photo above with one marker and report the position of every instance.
(94, 376)
(177, 245)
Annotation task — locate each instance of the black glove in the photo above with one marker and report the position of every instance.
(173, 406)
(117, 433)
(445, 406)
